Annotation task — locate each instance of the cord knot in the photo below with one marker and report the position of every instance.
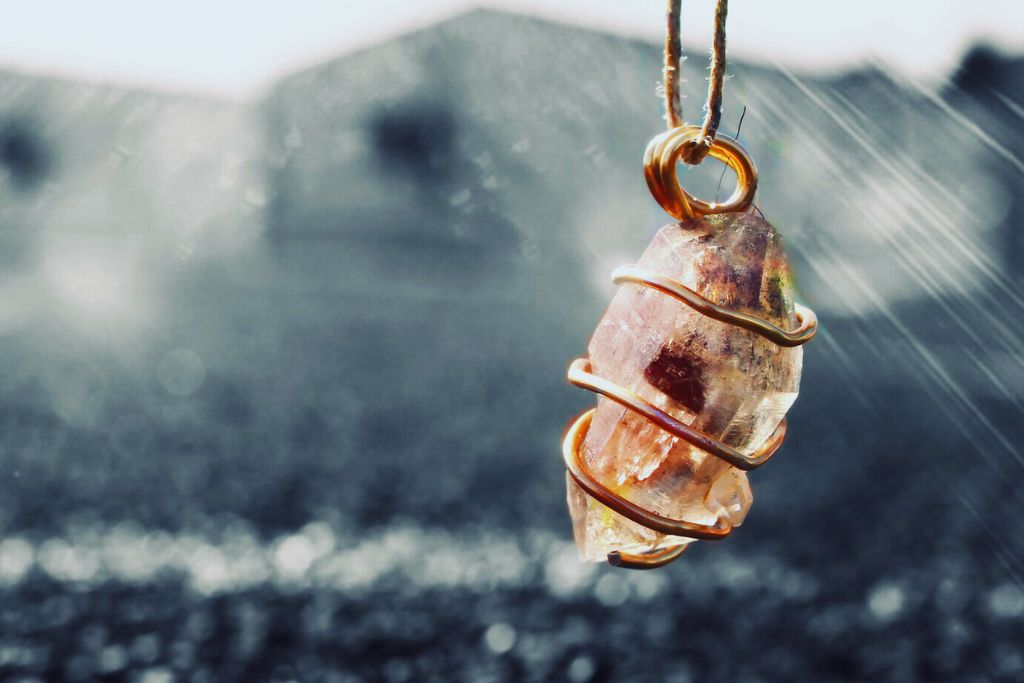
(695, 151)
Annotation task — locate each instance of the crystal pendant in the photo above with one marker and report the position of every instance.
(723, 380)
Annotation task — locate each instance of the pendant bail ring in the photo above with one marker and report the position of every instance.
(665, 151)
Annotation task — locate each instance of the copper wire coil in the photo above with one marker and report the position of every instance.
(660, 160)
(664, 152)
(580, 375)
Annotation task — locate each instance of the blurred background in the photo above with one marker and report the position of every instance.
(288, 294)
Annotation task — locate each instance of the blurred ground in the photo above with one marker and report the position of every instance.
(284, 383)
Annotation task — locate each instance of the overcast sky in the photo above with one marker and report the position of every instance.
(237, 46)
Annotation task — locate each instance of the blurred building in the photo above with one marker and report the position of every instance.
(283, 381)
(987, 88)
(111, 163)
(535, 147)
(386, 264)
(481, 196)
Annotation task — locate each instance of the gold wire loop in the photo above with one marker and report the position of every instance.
(665, 151)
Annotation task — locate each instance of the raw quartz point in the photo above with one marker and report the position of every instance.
(723, 380)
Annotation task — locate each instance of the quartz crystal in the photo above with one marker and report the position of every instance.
(723, 380)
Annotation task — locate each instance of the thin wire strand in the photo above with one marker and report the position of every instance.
(721, 178)
(696, 151)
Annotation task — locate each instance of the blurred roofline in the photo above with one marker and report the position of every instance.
(127, 86)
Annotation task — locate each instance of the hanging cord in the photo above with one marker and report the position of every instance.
(695, 151)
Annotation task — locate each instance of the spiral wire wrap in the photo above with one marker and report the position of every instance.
(659, 168)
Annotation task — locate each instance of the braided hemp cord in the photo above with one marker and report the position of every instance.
(695, 152)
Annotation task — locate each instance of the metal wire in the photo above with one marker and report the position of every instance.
(808, 322)
(659, 169)
(651, 560)
(642, 516)
(580, 375)
(662, 156)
